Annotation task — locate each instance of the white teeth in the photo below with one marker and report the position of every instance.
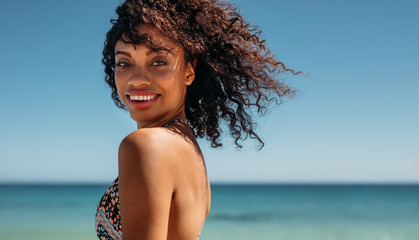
(142, 98)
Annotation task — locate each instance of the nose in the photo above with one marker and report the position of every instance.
(139, 77)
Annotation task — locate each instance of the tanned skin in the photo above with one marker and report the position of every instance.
(164, 191)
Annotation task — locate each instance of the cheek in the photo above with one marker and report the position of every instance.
(172, 84)
(171, 79)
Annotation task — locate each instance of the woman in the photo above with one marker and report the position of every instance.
(178, 67)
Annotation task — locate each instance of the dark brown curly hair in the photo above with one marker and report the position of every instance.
(235, 70)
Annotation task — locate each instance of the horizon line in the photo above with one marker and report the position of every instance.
(222, 183)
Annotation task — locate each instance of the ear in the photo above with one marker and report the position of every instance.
(189, 74)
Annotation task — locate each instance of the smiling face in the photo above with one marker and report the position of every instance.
(151, 82)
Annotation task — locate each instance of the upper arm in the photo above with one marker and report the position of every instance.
(145, 187)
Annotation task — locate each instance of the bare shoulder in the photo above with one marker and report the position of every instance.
(146, 182)
(150, 141)
(149, 148)
(144, 141)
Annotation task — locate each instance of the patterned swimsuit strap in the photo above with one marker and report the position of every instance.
(177, 120)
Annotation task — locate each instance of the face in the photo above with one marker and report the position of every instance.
(152, 83)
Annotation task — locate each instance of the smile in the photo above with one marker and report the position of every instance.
(141, 98)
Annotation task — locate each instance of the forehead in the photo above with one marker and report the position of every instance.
(158, 39)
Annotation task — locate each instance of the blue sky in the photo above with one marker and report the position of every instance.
(355, 119)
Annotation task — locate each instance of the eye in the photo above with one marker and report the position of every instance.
(159, 63)
(121, 64)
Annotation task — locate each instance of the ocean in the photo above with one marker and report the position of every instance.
(242, 212)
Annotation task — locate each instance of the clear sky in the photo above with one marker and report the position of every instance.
(356, 119)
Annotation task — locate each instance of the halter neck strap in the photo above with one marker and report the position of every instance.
(176, 120)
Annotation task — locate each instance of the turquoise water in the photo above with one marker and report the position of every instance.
(245, 212)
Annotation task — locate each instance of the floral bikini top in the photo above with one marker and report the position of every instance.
(107, 219)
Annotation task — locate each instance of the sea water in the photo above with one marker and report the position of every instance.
(242, 212)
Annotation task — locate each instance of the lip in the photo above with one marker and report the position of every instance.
(138, 92)
(143, 104)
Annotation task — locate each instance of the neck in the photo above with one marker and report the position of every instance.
(178, 114)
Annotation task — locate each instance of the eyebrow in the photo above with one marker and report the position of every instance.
(158, 49)
(122, 53)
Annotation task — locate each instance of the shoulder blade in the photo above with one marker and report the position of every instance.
(145, 185)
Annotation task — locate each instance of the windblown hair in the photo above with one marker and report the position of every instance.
(235, 70)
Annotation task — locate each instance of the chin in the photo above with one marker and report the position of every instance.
(137, 118)
(143, 117)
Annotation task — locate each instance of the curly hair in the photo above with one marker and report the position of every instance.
(235, 70)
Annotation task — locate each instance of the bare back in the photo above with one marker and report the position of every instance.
(163, 179)
(191, 197)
